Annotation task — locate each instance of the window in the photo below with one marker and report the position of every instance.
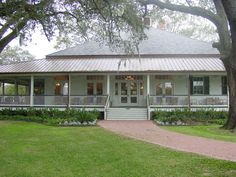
(95, 88)
(39, 87)
(159, 89)
(168, 88)
(164, 88)
(99, 89)
(199, 85)
(224, 85)
(90, 89)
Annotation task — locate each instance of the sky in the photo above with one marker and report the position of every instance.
(39, 46)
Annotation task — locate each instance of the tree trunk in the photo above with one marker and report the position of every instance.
(231, 78)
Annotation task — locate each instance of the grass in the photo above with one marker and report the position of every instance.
(35, 150)
(207, 131)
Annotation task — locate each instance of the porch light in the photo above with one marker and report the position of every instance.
(58, 84)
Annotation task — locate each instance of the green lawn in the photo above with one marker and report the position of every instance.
(208, 131)
(35, 150)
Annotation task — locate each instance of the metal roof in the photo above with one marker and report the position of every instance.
(177, 64)
(158, 42)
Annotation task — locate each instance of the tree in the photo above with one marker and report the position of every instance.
(185, 24)
(222, 13)
(101, 18)
(14, 54)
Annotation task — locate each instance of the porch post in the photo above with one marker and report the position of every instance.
(31, 90)
(16, 88)
(3, 88)
(69, 89)
(148, 85)
(189, 98)
(108, 94)
(148, 93)
(108, 84)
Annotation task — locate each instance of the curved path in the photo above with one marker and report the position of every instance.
(149, 132)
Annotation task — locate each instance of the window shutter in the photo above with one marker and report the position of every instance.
(191, 84)
(206, 85)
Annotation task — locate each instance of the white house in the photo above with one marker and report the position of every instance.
(172, 71)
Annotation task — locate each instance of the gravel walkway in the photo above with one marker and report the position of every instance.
(149, 132)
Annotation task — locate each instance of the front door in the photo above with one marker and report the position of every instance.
(128, 93)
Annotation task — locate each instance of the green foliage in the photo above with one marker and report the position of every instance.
(49, 116)
(187, 116)
(72, 21)
(14, 54)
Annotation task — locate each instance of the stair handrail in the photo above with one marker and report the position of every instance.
(106, 106)
(148, 107)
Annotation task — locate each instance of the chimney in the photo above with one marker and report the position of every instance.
(147, 21)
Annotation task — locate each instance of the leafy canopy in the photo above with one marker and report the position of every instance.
(102, 19)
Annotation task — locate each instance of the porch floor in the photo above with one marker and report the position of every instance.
(149, 132)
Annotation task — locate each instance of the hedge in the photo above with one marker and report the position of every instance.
(191, 117)
(50, 116)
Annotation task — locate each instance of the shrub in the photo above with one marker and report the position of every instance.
(49, 115)
(191, 117)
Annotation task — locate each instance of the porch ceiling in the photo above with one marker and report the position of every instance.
(151, 64)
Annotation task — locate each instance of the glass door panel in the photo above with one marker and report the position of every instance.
(124, 88)
(133, 88)
(133, 92)
(124, 92)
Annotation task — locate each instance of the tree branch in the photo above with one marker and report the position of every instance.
(198, 11)
(218, 20)
(7, 39)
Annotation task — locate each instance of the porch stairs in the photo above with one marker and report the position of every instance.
(127, 114)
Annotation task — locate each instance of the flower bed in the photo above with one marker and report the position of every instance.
(68, 117)
(187, 117)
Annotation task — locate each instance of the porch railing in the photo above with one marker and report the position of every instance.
(180, 100)
(15, 100)
(52, 100)
(183, 101)
(211, 100)
(92, 101)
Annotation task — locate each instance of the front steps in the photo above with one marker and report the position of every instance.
(127, 114)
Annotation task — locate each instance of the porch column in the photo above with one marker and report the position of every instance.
(16, 88)
(31, 90)
(108, 84)
(148, 85)
(189, 98)
(148, 93)
(69, 89)
(3, 89)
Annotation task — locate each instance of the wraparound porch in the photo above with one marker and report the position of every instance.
(104, 91)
